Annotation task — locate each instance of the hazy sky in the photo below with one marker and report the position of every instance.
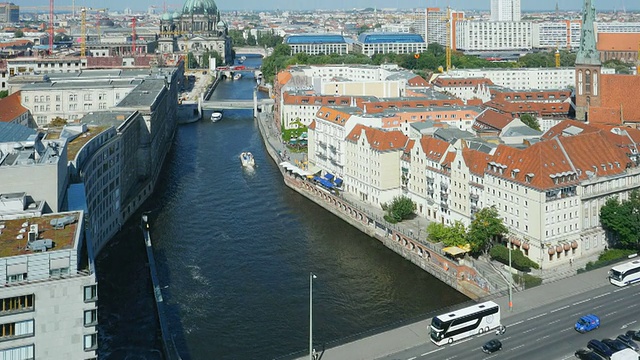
(342, 4)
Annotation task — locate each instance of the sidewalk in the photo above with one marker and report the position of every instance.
(392, 341)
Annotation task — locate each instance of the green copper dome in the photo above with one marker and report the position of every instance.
(166, 17)
(200, 7)
(176, 15)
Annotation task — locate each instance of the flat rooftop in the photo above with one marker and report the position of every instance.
(77, 143)
(105, 119)
(144, 95)
(30, 152)
(11, 230)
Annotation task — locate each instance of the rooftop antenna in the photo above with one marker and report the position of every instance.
(557, 7)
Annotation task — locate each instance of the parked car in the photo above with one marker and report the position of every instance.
(492, 346)
(600, 348)
(583, 354)
(627, 340)
(615, 345)
(587, 323)
(634, 335)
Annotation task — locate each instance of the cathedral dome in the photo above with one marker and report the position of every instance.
(200, 7)
(176, 15)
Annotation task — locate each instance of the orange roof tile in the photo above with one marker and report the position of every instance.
(461, 82)
(476, 160)
(334, 115)
(379, 140)
(492, 119)
(11, 107)
(433, 148)
(618, 41)
(616, 93)
(283, 77)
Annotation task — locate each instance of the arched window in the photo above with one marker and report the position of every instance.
(595, 83)
(587, 82)
(580, 82)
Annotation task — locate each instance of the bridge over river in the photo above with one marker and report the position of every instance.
(235, 104)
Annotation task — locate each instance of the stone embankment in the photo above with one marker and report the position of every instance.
(459, 274)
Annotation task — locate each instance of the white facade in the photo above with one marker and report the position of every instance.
(320, 48)
(48, 304)
(371, 174)
(617, 27)
(557, 34)
(31, 66)
(523, 79)
(380, 89)
(72, 100)
(505, 10)
(493, 36)
(386, 48)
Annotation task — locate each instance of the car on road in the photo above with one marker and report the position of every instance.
(615, 345)
(492, 346)
(627, 340)
(587, 323)
(583, 354)
(634, 335)
(600, 348)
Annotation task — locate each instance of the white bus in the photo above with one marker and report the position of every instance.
(459, 324)
(625, 274)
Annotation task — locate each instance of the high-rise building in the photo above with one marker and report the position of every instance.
(436, 31)
(505, 10)
(9, 13)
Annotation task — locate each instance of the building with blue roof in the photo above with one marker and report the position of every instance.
(371, 43)
(315, 44)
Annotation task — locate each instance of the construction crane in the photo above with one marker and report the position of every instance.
(99, 11)
(447, 49)
(557, 55)
(133, 35)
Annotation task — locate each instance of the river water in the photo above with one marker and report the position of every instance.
(234, 251)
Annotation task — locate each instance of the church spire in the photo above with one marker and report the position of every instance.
(588, 54)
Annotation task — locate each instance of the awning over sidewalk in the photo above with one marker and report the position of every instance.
(455, 250)
(294, 169)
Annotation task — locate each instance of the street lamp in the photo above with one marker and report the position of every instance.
(510, 278)
(311, 277)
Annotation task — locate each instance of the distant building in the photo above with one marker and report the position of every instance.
(437, 25)
(316, 44)
(563, 34)
(372, 43)
(494, 36)
(12, 111)
(523, 78)
(197, 29)
(9, 13)
(505, 10)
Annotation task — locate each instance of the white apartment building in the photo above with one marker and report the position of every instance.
(32, 66)
(37, 167)
(617, 27)
(71, 100)
(300, 108)
(383, 43)
(437, 23)
(372, 164)
(379, 89)
(327, 135)
(563, 34)
(494, 36)
(505, 10)
(522, 78)
(48, 302)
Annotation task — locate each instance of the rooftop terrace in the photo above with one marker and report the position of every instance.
(76, 144)
(14, 234)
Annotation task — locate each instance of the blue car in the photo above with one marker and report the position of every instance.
(587, 323)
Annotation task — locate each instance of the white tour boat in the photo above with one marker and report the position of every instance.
(237, 76)
(247, 159)
(216, 116)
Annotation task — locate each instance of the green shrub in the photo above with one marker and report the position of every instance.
(608, 257)
(528, 280)
(518, 260)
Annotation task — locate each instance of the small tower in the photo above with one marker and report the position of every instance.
(588, 66)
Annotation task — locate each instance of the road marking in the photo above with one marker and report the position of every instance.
(558, 309)
(412, 358)
(627, 324)
(553, 322)
(537, 316)
(624, 288)
(517, 323)
(460, 342)
(526, 331)
(581, 302)
(432, 351)
(599, 306)
(567, 329)
(599, 296)
(611, 313)
(542, 338)
(615, 301)
(518, 347)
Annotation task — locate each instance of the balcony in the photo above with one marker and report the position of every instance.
(444, 185)
(474, 197)
(322, 144)
(444, 195)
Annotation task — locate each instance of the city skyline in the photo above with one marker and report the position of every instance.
(628, 5)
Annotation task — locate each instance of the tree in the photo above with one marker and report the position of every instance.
(269, 40)
(206, 58)
(18, 33)
(530, 121)
(449, 235)
(486, 227)
(400, 208)
(4, 94)
(251, 40)
(58, 122)
(237, 37)
(192, 63)
(622, 220)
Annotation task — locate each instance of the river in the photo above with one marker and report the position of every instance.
(234, 251)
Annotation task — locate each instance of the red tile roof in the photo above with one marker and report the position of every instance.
(617, 98)
(493, 119)
(283, 77)
(11, 107)
(379, 106)
(333, 115)
(461, 82)
(433, 148)
(379, 140)
(475, 160)
(618, 41)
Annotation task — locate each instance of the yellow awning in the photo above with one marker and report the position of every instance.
(454, 250)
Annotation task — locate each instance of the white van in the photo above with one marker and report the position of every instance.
(626, 354)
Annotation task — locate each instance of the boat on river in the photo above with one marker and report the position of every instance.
(237, 76)
(246, 158)
(216, 116)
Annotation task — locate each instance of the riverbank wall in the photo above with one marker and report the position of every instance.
(458, 274)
